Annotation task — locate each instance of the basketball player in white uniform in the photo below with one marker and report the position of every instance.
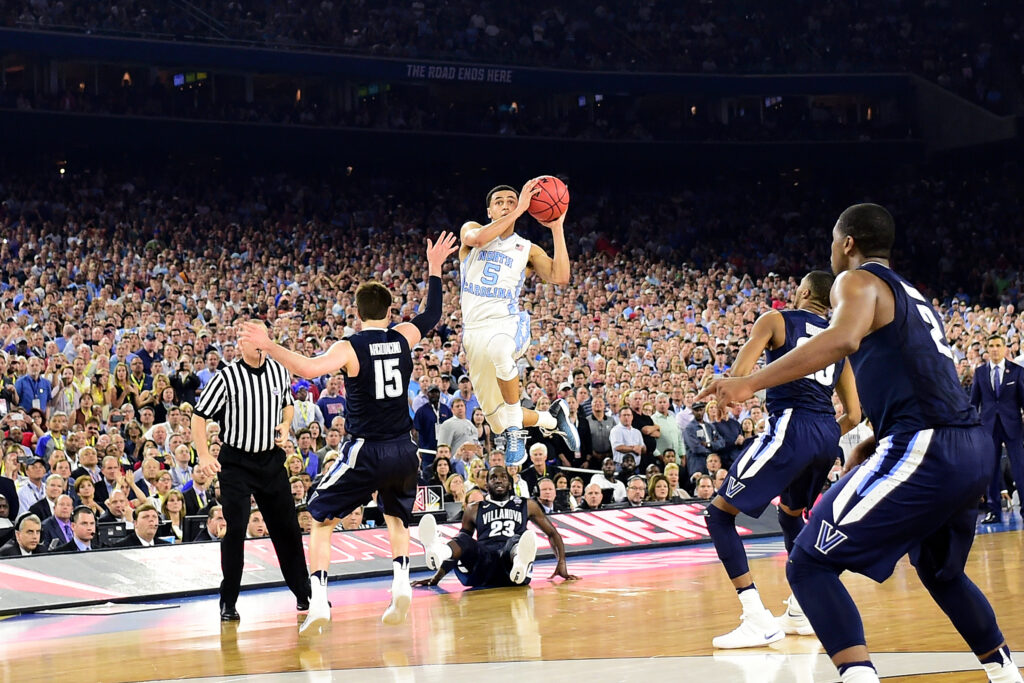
(494, 261)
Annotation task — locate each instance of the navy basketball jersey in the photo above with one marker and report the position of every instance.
(905, 373)
(496, 523)
(813, 392)
(377, 408)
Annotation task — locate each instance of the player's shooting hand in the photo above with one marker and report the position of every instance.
(557, 223)
(530, 190)
(438, 252)
(727, 390)
(563, 571)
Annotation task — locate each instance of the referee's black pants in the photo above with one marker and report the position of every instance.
(261, 475)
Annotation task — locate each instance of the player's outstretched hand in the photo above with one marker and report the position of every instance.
(255, 333)
(727, 390)
(438, 252)
(557, 223)
(530, 190)
(432, 581)
(563, 571)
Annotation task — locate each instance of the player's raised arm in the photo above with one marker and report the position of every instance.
(475, 235)
(424, 322)
(554, 270)
(854, 298)
(336, 358)
(538, 517)
(768, 332)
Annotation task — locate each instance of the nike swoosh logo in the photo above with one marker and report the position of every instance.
(772, 635)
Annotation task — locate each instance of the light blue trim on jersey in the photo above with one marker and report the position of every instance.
(522, 333)
(513, 305)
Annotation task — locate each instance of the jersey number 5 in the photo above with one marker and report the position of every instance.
(389, 379)
(491, 270)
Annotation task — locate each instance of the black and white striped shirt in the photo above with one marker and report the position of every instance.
(248, 403)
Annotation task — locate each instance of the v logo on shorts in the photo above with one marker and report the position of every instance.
(734, 487)
(828, 538)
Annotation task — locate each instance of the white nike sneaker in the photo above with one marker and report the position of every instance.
(526, 553)
(319, 615)
(755, 630)
(429, 541)
(401, 598)
(793, 621)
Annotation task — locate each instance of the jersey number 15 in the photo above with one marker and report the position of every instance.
(388, 378)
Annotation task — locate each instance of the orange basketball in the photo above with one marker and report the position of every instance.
(552, 200)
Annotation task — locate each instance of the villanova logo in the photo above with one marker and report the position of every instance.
(828, 538)
(734, 487)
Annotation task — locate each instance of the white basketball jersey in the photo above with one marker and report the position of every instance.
(492, 279)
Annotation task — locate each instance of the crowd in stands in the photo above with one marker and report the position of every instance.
(963, 46)
(121, 293)
(615, 118)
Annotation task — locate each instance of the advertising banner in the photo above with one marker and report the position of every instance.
(38, 582)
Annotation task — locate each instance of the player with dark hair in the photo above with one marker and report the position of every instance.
(503, 551)
(791, 459)
(494, 264)
(381, 456)
(914, 486)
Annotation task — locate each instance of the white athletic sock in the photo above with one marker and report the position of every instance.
(751, 601)
(401, 571)
(860, 674)
(318, 588)
(513, 415)
(546, 421)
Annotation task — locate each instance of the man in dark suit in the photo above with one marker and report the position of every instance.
(998, 394)
(26, 538)
(55, 486)
(111, 471)
(88, 463)
(198, 496)
(83, 530)
(57, 529)
(215, 526)
(538, 468)
(147, 520)
(117, 505)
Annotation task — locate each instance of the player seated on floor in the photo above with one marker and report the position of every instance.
(503, 551)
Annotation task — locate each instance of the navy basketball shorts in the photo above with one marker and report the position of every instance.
(918, 494)
(791, 459)
(485, 565)
(388, 467)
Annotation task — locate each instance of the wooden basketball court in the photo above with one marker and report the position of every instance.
(633, 616)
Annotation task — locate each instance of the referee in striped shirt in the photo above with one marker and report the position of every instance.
(252, 401)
